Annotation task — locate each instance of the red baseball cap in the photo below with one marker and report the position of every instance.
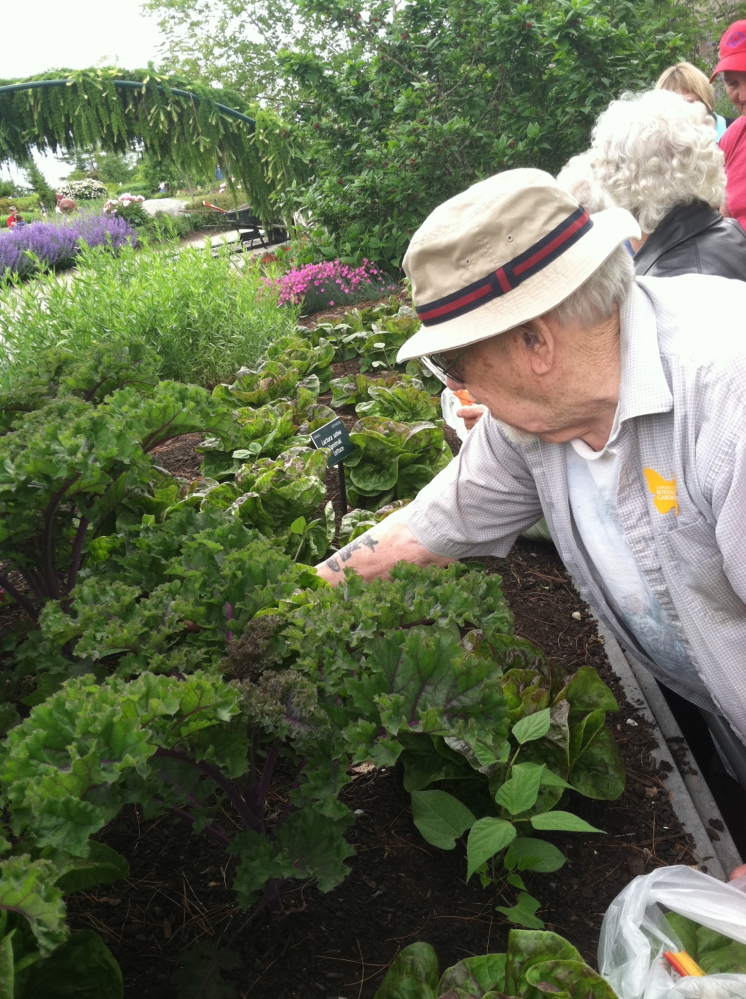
(732, 49)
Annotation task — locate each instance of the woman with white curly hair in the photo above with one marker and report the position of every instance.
(653, 154)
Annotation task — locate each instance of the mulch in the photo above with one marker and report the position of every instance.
(400, 889)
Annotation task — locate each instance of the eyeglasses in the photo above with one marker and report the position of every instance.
(443, 366)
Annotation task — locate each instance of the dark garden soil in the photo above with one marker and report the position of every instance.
(178, 903)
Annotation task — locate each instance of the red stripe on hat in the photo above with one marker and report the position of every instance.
(502, 277)
(550, 247)
(472, 296)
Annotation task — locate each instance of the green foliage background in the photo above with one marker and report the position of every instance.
(440, 94)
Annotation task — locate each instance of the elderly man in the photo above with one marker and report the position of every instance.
(617, 410)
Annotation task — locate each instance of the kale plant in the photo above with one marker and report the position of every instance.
(75, 440)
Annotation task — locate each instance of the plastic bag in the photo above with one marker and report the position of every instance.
(449, 403)
(635, 933)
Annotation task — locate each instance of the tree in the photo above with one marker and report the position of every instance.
(236, 42)
(435, 95)
(114, 168)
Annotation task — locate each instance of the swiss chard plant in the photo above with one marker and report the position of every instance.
(536, 963)
(266, 431)
(393, 461)
(75, 443)
(391, 395)
(441, 684)
(357, 521)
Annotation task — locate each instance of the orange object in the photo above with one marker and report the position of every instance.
(463, 396)
(685, 965)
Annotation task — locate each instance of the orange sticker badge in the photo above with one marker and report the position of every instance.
(663, 490)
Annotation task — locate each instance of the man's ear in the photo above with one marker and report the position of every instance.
(537, 345)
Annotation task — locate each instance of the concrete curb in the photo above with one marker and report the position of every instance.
(690, 797)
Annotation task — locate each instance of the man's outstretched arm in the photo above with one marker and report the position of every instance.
(374, 553)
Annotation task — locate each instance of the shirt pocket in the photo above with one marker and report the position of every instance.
(695, 565)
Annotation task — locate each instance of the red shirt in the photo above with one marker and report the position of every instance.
(733, 144)
(11, 221)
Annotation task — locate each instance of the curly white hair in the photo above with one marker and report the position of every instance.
(654, 151)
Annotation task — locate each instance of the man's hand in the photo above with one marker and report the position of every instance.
(374, 553)
(471, 415)
(738, 872)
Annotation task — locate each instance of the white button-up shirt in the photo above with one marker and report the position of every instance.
(681, 495)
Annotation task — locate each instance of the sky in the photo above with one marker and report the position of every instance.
(77, 34)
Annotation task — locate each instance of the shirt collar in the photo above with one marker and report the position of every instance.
(643, 388)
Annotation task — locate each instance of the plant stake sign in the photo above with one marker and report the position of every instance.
(334, 436)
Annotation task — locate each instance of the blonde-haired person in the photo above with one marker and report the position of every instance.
(653, 154)
(691, 83)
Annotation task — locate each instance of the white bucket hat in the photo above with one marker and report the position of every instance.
(505, 251)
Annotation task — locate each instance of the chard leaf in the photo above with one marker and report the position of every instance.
(413, 974)
(715, 953)
(598, 772)
(475, 976)
(587, 692)
(568, 980)
(440, 818)
(527, 948)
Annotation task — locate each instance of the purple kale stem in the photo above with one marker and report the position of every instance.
(31, 576)
(288, 807)
(251, 819)
(23, 602)
(212, 830)
(272, 895)
(267, 773)
(48, 568)
(72, 576)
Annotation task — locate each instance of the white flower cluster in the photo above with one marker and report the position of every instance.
(83, 190)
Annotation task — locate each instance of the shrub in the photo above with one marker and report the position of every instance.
(330, 283)
(83, 190)
(421, 105)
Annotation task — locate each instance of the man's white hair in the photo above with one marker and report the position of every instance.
(595, 300)
(654, 151)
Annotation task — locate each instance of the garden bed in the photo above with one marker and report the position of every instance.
(178, 896)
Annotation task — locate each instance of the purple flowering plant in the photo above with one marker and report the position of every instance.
(330, 283)
(56, 244)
